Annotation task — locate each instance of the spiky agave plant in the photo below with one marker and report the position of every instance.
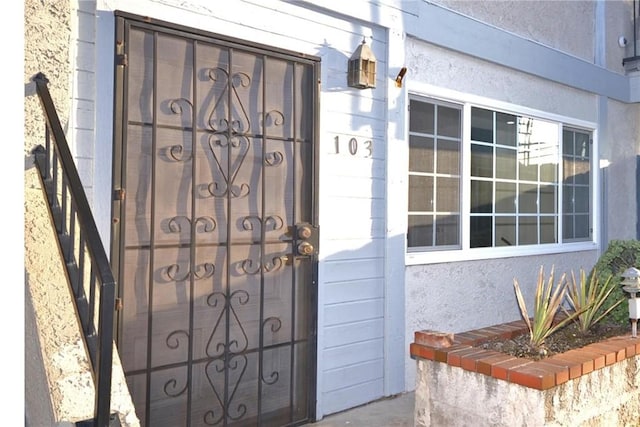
(548, 301)
(587, 298)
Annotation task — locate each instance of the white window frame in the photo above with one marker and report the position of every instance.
(465, 253)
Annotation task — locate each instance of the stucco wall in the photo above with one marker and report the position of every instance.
(623, 145)
(451, 396)
(429, 64)
(48, 21)
(58, 380)
(455, 297)
(566, 25)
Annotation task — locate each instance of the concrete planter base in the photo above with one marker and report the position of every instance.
(459, 384)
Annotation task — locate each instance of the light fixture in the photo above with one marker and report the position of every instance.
(631, 284)
(362, 68)
(400, 76)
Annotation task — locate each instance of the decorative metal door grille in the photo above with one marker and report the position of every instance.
(214, 237)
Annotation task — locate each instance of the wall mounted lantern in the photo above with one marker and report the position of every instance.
(631, 284)
(362, 68)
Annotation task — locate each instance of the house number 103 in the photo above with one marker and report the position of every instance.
(353, 147)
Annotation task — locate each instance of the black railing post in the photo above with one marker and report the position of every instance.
(99, 342)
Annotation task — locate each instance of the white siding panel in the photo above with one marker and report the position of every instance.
(346, 398)
(85, 170)
(85, 83)
(338, 357)
(346, 186)
(84, 146)
(337, 314)
(341, 335)
(354, 374)
(340, 122)
(348, 103)
(84, 114)
(352, 225)
(346, 164)
(85, 58)
(343, 249)
(353, 270)
(373, 207)
(353, 291)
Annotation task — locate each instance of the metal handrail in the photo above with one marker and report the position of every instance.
(87, 267)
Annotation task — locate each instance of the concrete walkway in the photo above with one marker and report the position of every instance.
(396, 411)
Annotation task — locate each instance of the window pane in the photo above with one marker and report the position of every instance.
(505, 197)
(421, 117)
(480, 232)
(448, 157)
(505, 231)
(568, 170)
(420, 232)
(582, 145)
(528, 198)
(420, 154)
(567, 198)
(581, 201)
(447, 230)
(528, 169)
(420, 193)
(527, 230)
(448, 121)
(581, 230)
(567, 227)
(567, 143)
(548, 199)
(506, 129)
(548, 231)
(549, 172)
(481, 125)
(581, 168)
(505, 163)
(481, 196)
(481, 161)
(448, 194)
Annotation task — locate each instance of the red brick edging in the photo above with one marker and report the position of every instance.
(461, 350)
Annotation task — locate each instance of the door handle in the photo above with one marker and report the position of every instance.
(305, 239)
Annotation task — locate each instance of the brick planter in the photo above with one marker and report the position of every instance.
(459, 384)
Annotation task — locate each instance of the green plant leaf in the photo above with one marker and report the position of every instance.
(547, 303)
(590, 299)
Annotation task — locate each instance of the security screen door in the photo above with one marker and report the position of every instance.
(215, 232)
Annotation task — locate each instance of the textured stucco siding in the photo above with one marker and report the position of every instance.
(455, 297)
(452, 397)
(59, 386)
(623, 146)
(45, 285)
(568, 26)
(432, 65)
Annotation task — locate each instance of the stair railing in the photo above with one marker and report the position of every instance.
(87, 267)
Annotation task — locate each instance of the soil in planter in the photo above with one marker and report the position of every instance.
(564, 339)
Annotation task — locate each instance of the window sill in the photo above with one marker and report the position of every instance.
(436, 257)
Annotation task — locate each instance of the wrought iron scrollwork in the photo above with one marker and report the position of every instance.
(207, 224)
(269, 223)
(237, 363)
(171, 389)
(230, 346)
(176, 152)
(173, 342)
(232, 83)
(227, 187)
(252, 267)
(235, 344)
(202, 271)
(274, 324)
